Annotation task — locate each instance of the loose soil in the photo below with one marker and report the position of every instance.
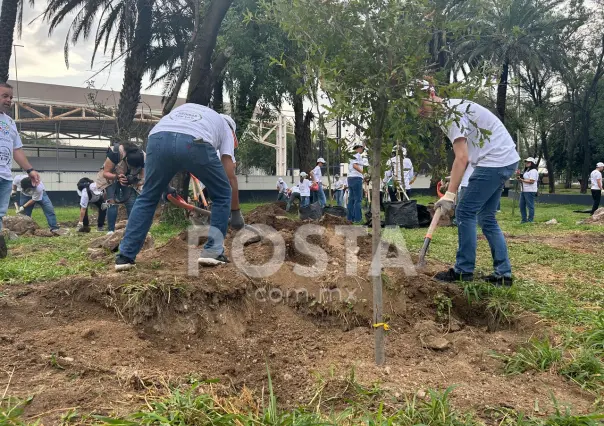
(119, 337)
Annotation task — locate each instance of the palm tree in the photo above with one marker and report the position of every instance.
(508, 32)
(10, 15)
(123, 27)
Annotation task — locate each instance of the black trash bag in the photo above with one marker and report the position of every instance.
(314, 212)
(402, 213)
(335, 211)
(423, 216)
(368, 220)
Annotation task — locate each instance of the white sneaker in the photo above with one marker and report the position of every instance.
(110, 233)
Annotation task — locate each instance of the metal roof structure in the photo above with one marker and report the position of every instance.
(54, 112)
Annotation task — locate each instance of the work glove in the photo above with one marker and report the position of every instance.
(237, 221)
(446, 203)
(105, 206)
(21, 210)
(79, 226)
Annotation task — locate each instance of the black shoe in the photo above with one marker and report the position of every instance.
(123, 263)
(499, 281)
(208, 259)
(3, 248)
(451, 276)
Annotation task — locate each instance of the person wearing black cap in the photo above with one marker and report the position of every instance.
(355, 184)
(528, 180)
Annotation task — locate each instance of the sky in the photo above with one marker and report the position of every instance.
(41, 58)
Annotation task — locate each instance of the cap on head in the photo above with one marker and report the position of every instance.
(321, 160)
(337, 176)
(531, 159)
(423, 85)
(303, 174)
(280, 180)
(600, 164)
(357, 146)
(229, 121)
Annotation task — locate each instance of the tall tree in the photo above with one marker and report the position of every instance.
(11, 15)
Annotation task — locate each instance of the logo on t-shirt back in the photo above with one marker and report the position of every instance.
(4, 128)
(185, 116)
(5, 156)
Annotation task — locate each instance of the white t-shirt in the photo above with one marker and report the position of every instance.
(36, 193)
(96, 196)
(295, 189)
(408, 172)
(317, 175)
(305, 188)
(357, 159)
(595, 175)
(497, 150)
(9, 141)
(282, 186)
(530, 187)
(394, 167)
(338, 185)
(202, 123)
(466, 176)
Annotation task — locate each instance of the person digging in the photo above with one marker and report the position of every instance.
(494, 159)
(35, 194)
(90, 194)
(190, 138)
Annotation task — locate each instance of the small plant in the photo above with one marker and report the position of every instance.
(537, 355)
(585, 368)
(443, 307)
(54, 362)
(11, 410)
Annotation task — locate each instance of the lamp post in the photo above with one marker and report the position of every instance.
(17, 70)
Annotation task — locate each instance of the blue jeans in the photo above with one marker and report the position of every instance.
(304, 200)
(527, 202)
(339, 195)
(6, 187)
(113, 210)
(49, 210)
(355, 195)
(479, 202)
(282, 196)
(167, 154)
(320, 195)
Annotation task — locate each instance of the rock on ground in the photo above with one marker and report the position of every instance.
(9, 235)
(43, 233)
(20, 224)
(112, 242)
(597, 218)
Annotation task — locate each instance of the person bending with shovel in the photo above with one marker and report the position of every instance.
(481, 139)
(197, 139)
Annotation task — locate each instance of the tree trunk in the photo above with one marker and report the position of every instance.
(586, 169)
(570, 146)
(502, 90)
(376, 229)
(549, 164)
(302, 133)
(201, 82)
(218, 98)
(135, 66)
(8, 19)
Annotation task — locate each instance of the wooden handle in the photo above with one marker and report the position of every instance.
(434, 223)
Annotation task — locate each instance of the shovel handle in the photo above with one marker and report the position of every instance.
(434, 223)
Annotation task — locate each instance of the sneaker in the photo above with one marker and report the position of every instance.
(123, 263)
(499, 281)
(110, 233)
(3, 248)
(100, 229)
(451, 276)
(207, 259)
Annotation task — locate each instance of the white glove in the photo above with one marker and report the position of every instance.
(446, 203)
(21, 209)
(79, 226)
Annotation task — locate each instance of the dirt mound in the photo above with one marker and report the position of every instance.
(597, 218)
(20, 224)
(266, 214)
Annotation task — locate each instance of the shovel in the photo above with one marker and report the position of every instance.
(422, 253)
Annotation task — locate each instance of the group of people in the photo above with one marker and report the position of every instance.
(398, 178)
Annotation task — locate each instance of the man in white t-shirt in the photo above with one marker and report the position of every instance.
(355, 184)
(529, 181)
(338, 187)
(32, 195)
(196, 139)
(293, 194)
(90, 194)
(494, 158)
(596, 186)
(304, 190)
(282, 188)
(317, 177)
(10, 148)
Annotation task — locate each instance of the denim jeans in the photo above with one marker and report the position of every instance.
(320, 195)
(113, 210)
(479, 202)
(304, 200)
(355, 195)
(291, 198)
(282, 196)
(6, 187)
(339, 196)
(167, 154)
(46, 204)
(527, 201)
